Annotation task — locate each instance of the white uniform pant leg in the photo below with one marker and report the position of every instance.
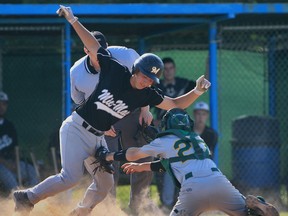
(97, 191)
(76, 144)
(230, 200)
(214, 192)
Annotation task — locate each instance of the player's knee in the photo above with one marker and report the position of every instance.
(69, 180)
(104, 189)
(109, 185)
(111, 182)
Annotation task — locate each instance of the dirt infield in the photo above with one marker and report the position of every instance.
(65, 202)
(57, 206)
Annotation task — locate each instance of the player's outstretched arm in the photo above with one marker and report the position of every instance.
(155, 166)
(86, 37)
(184, 101)
(130, 154)
(129, 168)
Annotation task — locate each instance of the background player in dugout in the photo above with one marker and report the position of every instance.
(172, 86)
(8, 143)
(80, 130)
(84, 79)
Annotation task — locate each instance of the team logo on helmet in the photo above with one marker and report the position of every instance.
(155, 70)
(177, 119)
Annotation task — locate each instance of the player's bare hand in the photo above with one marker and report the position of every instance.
(112, 132)
(129, 168)
(145, 116)
(202, 85)
(67, 13)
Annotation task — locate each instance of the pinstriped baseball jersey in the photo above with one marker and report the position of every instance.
(114, 97)
(125, 56)
(78, 143)
(84, 78)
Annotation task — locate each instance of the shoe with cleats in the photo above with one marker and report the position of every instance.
(22, 203)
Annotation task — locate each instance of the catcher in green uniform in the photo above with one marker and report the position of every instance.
(185, 156)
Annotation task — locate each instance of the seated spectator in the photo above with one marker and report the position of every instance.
(8, 167)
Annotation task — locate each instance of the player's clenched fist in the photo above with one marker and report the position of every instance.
(67, 13)
(202, 85)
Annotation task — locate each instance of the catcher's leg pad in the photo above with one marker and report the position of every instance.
(258, 206)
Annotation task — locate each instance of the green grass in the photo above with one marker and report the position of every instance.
(123, 194)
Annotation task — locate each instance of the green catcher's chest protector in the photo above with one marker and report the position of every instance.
(193, 141)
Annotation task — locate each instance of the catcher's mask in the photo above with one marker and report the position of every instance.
(150, 65)
(177, 119)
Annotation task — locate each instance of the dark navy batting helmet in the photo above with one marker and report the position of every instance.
(177, 119)
(150, 65)
(100, 38)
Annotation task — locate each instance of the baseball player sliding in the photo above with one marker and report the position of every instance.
(185, 156)
(84, 79)
(118, 93)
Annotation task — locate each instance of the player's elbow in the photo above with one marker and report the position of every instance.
(77, 100)
(132, 157)
(167, 104)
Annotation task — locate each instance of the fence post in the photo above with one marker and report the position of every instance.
(67, 69)
(213, 80)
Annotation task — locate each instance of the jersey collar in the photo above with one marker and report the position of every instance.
(89, 68)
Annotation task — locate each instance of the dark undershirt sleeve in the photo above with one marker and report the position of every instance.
(156, 97)
(104, 59)
(191, 85)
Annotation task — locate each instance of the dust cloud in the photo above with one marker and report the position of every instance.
(62, 204)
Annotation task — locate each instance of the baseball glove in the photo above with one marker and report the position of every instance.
(104, 166)
(149, 132)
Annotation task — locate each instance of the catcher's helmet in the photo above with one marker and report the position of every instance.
(177, 119)
(150, 65)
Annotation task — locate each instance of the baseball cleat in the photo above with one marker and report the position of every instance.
(260, 207)
(22, 203)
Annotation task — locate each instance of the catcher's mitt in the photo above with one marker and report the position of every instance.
(149, 132)
(105, 166)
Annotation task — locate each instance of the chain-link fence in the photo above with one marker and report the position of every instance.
(31, 75)
(252, 73)
(253, 124)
